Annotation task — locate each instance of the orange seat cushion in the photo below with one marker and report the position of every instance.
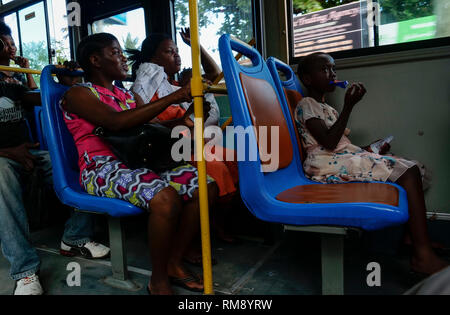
(342, 193)
(293, 98)
(265, 111)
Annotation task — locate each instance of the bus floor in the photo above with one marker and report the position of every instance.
(267, 261)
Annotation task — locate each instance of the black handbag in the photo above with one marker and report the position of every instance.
(146, 146)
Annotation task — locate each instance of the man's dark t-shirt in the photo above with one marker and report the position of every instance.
(13, 127)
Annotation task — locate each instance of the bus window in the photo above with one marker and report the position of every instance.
(128, 27)
(339, 25)
(59, 31)
(404, 21)
(33, 36)
(11, 21)
(231, 16)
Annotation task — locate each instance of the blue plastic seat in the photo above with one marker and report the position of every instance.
(39, 128)
(255, 100)
(291, 81)
(64, 157)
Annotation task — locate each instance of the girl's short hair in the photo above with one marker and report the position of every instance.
(148, 50)
(307, 63)
(5, 30)
(90, 45)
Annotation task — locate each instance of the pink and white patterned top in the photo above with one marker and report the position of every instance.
(88, 144)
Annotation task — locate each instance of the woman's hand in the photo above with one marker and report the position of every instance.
(354, 94)
(190, 111)
(69, 80)
(22, 62)
(183, 94)
(185, 34)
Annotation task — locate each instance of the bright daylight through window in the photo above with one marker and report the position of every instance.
(336, 25)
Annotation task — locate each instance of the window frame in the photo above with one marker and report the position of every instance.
(366, 51)
(18, 5)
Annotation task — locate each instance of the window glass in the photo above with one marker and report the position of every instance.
(215, 18)
(59, 30)
(34, 36)
(335, 25)
(128, 27)
(412, 20)
(11, 21)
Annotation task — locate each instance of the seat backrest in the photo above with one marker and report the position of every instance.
(40, 128)
(64, 155)
(63, 152)
(255, 102)
(291, 81)
(290, 90)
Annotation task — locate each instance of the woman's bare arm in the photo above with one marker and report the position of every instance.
(85, 104)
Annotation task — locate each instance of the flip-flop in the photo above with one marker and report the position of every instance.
(198, 261)
(181, 282)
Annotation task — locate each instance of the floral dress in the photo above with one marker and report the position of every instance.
(347, 162)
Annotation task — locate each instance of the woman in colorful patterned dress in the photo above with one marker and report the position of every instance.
(171, 197)
(331, 157)
(154, 69)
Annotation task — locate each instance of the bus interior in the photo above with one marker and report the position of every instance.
(400, 50)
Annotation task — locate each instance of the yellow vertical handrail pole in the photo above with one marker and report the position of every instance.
(197, 94)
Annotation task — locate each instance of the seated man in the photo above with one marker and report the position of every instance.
(18, 159)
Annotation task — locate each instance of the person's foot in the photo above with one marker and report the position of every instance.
(427, 264)
(28, 286)
(159, 288)
(184, 278)
(87, 250)
(224, 236)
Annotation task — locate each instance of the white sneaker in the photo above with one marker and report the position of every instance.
(29, 286)
(87, 250)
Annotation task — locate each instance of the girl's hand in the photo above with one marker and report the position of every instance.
(185, 34)
(354, 94)
(22, 62)
(383, 149)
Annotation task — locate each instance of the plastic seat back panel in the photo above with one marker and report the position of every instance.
(64, 155)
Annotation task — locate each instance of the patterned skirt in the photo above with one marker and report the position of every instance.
(107, 177)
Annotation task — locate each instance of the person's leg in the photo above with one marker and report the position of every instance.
(188, 228)
(424, 259)
(14, 230)
(79, 228)
(164, 212)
